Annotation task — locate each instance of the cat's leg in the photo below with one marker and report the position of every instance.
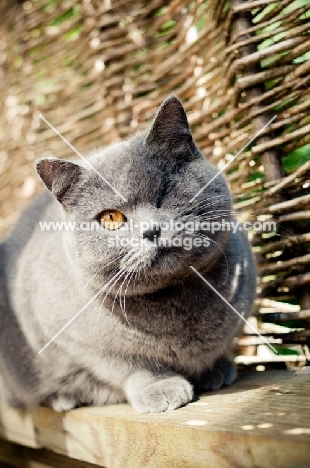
(154, 393)
(61, 402)
(99, 396)
(147, 391)
(223, 373)
(105, 395)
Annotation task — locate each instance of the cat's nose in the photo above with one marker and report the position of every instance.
(152, 233)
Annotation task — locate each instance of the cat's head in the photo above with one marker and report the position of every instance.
(139, 221)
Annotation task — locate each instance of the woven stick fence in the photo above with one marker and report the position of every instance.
(98, 69)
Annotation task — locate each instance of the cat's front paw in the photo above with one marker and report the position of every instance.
(61, 403)
(222, 374)
(162, 395)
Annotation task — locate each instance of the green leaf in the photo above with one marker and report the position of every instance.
(296, 158)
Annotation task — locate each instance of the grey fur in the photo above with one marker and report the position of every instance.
(160, 331)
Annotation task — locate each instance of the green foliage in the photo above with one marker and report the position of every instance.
(73, 11)
(73, 34)
(255, 175)
(302, 58)
(286, 351)
(296, 158)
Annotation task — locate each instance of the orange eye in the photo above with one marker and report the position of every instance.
(112, 219)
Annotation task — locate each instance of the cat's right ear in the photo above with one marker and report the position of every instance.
(58, 175)
(170, 125)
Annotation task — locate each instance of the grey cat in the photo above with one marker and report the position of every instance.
(155, 332)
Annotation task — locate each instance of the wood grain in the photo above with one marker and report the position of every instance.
(263, 420)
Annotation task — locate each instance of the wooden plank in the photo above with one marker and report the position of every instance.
(263, 420)
(18, 456)
(242, 359)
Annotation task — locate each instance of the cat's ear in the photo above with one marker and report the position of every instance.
(58, 175)
(170, 124)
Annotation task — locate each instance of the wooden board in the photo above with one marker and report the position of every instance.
(18, 456)
(263, 420)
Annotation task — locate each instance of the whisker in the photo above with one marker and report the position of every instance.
(118, 275)
(105, 266)
(102, 285)
(120, 298)
(130, 277)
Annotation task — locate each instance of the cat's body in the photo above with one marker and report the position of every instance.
(157, 329)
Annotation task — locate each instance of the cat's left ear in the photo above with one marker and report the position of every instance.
(170, 125)
(59, 175)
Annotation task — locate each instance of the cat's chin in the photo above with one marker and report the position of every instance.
(148, 282)
(155, 273)
(142, 289)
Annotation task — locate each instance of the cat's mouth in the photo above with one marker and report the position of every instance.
(147, 272)
(165, 256)
(159, 262)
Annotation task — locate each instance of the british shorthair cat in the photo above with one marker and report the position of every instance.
(106, 305)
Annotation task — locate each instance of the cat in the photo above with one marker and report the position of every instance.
(145, 328)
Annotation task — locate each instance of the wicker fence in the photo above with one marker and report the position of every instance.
(97, 69)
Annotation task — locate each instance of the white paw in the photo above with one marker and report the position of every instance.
(62, 403)
(163, 395)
